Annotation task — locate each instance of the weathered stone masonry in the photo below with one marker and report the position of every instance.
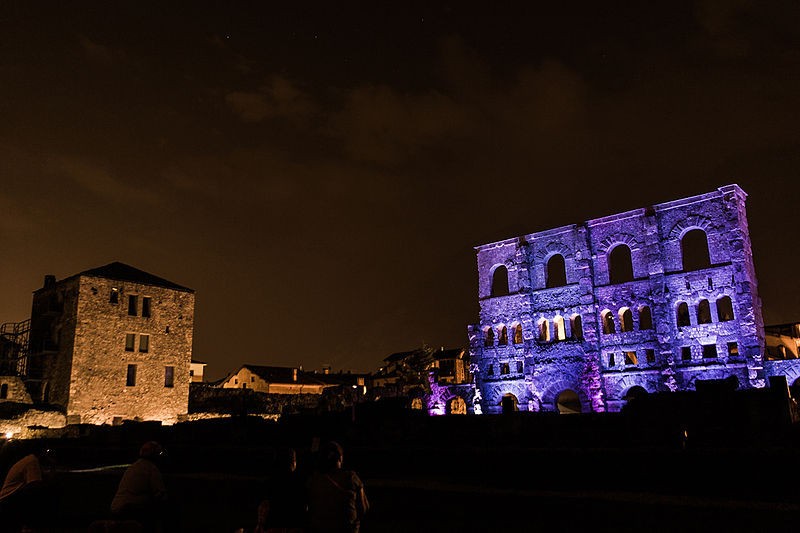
(111, 344)
(582, 316)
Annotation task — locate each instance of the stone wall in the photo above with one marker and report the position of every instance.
(81, 356)
(564, 346)
(15, 390)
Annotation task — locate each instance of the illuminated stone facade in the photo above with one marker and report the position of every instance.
(112, 344)
(581, 317)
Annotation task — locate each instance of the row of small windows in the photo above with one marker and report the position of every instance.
(130, 342)
(694, 256)
(505, 368)
(630, 358)
(169, 376)
(709, 351)
(626, 320)
(545, 335)
(626, 323)
(133, 303)
(724, 312)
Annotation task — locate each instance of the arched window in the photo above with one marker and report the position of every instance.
(724, 309)
(556, 271)
(500, 281)
(625, 319)
(517, 333)
(645, 318)
(620, 266)
(488, 337)
(544, 330)
(683, 315)
(560, 332)
(703, 312)
(502, 336)
(694, 250)
(576, 325)
(608, 322)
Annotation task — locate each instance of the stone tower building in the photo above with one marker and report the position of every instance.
(112, 343)
(582, 317)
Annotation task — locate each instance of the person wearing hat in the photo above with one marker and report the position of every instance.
(141, 495)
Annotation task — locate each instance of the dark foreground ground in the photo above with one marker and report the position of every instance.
(215, 504)
(462, 475)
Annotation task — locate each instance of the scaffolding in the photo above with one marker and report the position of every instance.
(15, 346)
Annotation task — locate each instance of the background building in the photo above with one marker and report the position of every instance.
(579, 318)
(110, 344)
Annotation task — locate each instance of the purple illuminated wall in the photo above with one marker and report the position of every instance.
(602, 367)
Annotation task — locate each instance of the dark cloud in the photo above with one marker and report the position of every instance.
(321, 178)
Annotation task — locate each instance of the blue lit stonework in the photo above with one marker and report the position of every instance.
(580, 317)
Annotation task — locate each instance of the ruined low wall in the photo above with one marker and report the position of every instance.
(206, 399)
(20, 421)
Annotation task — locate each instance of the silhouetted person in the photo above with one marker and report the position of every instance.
(141, 495)
(25, 499)
(336, 497)
(285, 503)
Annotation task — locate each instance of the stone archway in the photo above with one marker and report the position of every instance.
(634, 393)
(509, 404)
(456, 406)
(568, 402)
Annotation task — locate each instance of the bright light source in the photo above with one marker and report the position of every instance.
(9, 435)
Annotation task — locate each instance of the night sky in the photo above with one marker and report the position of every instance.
(320, 174)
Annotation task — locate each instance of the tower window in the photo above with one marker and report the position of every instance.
(650, 354)
(144, 343)
(130, 342)
(169, 376)
(133, 303)
(146, 306)
(130, 380)
(504, 369)
(113, 296)
(519, 367)
(630, 358)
